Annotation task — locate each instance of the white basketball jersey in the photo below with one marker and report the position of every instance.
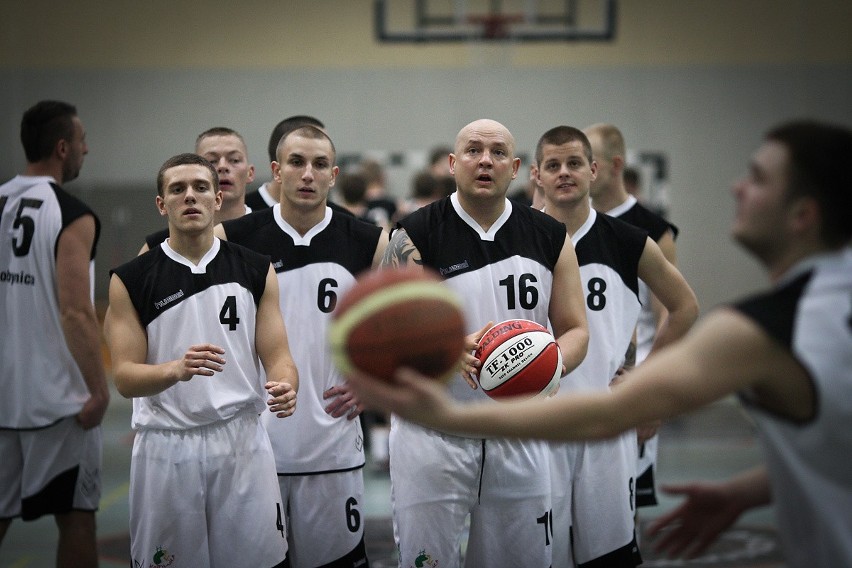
(608, 252)
(41, 382)
(504, 273)
(640, 216)
(181, 304)
(313, 271)
(810, 313)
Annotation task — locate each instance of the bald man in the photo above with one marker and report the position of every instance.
(506, 262)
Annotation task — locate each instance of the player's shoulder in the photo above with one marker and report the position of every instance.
(526, 218)
(340, 209)
(822, 278)
(70, 207)
(429, 220)
(156, 238)
(428, 215)
(255, 200)
(70, 203)
(256, 260)
(656, 225)
(611, 242)
(774, 311)
(620, 229)
(133, 269)
(538, 217)
(357, 228)
(237, 229)
(25, 183)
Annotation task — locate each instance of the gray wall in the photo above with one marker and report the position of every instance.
(703, 102)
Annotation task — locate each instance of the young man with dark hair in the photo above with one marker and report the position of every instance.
(189, 324)
(54, 386)
(594, 483)
(317, 254)
(267, 194)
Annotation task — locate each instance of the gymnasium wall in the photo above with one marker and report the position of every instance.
(697, 81)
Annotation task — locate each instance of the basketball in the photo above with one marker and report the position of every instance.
(519, 358)
(395, 318)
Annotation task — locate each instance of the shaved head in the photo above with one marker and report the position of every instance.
(484, 126)
(607, 141)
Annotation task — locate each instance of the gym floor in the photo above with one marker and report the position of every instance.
(710, 444)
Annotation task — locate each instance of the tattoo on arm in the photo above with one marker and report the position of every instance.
(630, 356)
(400, 251)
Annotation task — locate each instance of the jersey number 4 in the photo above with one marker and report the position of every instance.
(228, 314)
(23, 222)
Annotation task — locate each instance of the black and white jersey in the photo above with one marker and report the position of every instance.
(260, 198)
(608, 252)
(313, 271)
(633, 212)
(180, 304)
(640, 216)
(810, 313)
(156, 238)
(41, 382)
(504, 273)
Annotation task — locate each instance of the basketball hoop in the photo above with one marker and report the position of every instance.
(487, 24)
(495, 25)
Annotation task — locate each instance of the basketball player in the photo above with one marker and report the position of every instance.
(786, 352)
(188, 321)
(594, 482)
(506, 261)
(54, 387)
(267, 194)
(609, 195)
(316, 253)
(226, 149)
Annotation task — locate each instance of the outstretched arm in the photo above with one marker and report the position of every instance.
(723, 354)
(709, 509)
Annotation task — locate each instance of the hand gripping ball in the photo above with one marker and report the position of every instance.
(400, 317)
(519, 358)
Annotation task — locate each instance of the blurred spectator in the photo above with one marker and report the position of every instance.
(352, 194)
(381, 208)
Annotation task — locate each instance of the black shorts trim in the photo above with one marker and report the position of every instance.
(356, 558)
(646, 489)
(625, 557)
(305, 473)
(56, 498)
(34, 428)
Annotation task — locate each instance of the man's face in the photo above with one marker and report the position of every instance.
(77, 149)
(305, 171)
(565, 173)
(483, 162)
(189, 198)
(761, 199)
(228, 155)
